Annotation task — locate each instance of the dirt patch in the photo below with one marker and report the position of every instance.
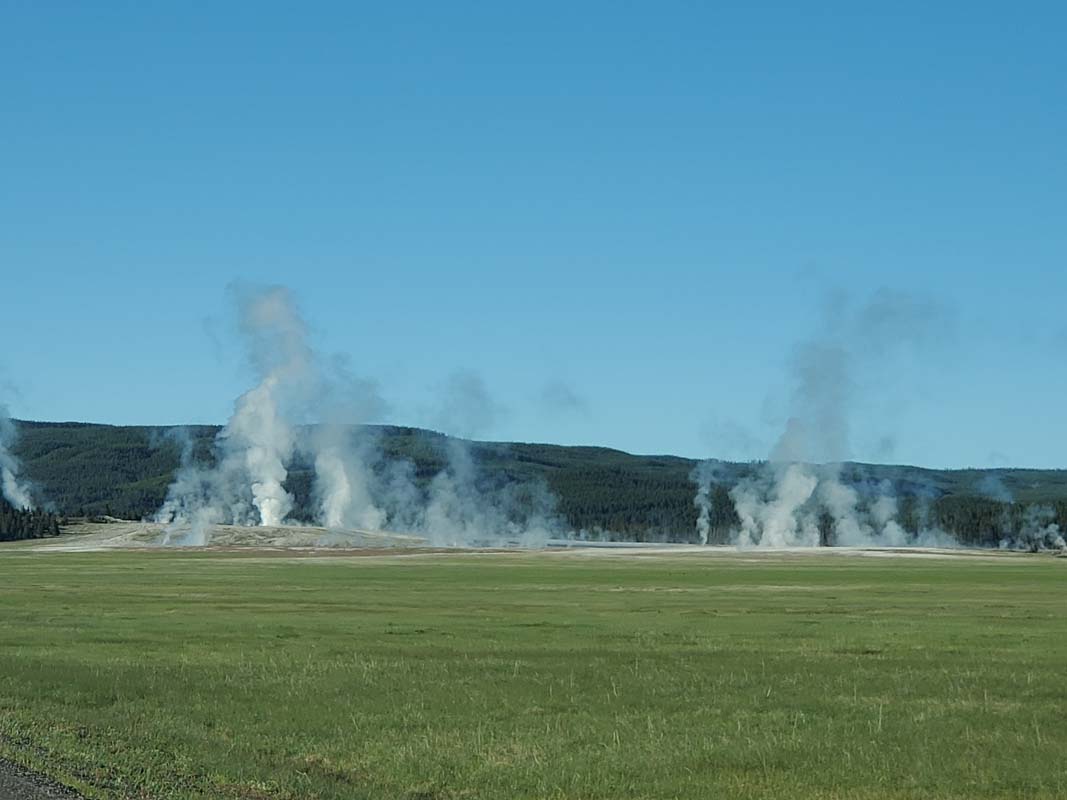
(18, 783)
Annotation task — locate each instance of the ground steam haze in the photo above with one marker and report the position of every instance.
(462, 506)
(304, 404)
(1035, 530)
(15, 491)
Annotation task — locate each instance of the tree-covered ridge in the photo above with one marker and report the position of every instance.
(16, 524)
(86, 469)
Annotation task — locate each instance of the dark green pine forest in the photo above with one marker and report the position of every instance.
(16, 524)
(81, 469)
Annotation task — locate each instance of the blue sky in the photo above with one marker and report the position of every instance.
(641, 205)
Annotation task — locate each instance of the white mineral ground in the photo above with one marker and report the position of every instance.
(125, 535)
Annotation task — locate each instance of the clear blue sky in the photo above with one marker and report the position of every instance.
(641, 202)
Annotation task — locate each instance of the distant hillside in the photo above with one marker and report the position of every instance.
(88, 469)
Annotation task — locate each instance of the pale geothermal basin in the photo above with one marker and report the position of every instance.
(122, 534)
(114, 534)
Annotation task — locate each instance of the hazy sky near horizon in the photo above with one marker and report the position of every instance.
(623, 217)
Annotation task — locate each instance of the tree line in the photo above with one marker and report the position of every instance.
(16, 524)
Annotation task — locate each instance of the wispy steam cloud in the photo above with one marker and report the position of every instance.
(463, 507)
(343, 480)
(15, 491)
(247, 483)
(354, 485)
(464, 406)
(558, 397)
(792, 498)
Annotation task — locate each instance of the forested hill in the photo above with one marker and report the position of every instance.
(87, 469)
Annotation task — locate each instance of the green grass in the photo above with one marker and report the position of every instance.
(177, 675)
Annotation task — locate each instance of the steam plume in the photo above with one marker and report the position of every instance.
(14, 490)
(1038, 531)
(1032, 528)
(354, 485)
(704, 475)
(457, 512)
(246, 485)
(462, 506)
(343, 481)
(342, 452)
(799, 495)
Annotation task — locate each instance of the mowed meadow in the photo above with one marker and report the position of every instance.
(536, 675)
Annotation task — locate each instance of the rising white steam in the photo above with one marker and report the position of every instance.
(457, 512)
(704, 475)
(461, 505)
(344, 482)
(1032, 528)
(187, 506)
(799, 498)
(773, 507)
(354, 485)
(246, 485)
(463, 508)
(15, 491)
(1038, 531)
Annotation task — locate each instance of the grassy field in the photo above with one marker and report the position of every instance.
(212, 675)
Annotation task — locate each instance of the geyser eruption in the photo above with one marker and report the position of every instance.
(798, 498)
(246, 486)
(14, 490)
(354, 485)
(258, 436)
(772, 507)
(259, 440)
